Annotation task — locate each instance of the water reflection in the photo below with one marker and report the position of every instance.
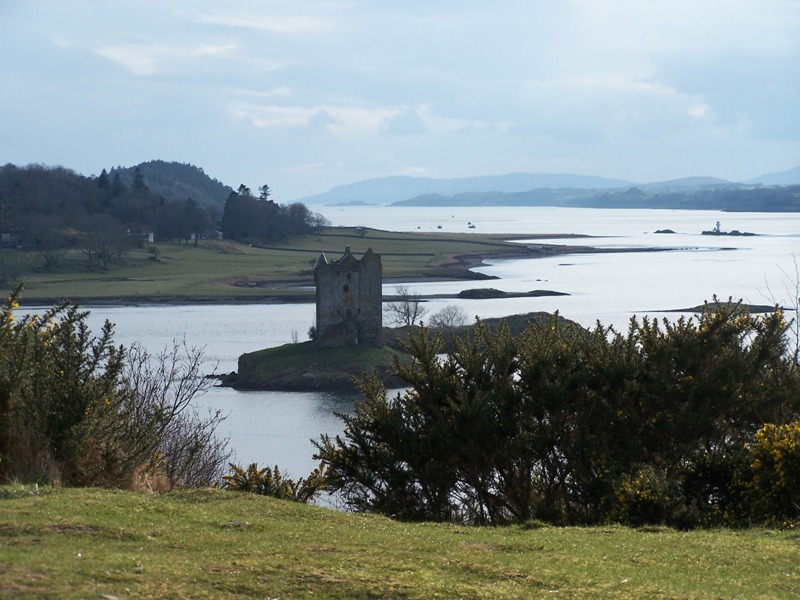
(272, 428)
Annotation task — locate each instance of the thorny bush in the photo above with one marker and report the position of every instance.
(77, 410)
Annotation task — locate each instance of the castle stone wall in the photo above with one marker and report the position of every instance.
(349, 299)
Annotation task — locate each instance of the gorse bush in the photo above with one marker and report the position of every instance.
(271, 482)
(646, 496)
(58, 387)
(771, 475)
(565, 425)
(77, 410)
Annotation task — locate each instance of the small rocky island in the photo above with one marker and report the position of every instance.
(349, 339)
(734, 232)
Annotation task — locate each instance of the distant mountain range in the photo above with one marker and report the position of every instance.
(790, 177)
(548, 189)
(386, 190)
(770, 192)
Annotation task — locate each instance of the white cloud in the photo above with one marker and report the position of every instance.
(291, 24)
(142, 60)
(359, 121)
(318, 167)
(212, 50)
(148, 59)
(355, 88)
(276, 92)
(342, 121)
(688, 26)
(404, 122)
(699, 111)
(599, 106)
(273, 116)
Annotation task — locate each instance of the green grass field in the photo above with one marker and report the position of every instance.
(92, 543)
(220, 270)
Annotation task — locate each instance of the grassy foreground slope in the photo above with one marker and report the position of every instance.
(89, 543)
(226, 270)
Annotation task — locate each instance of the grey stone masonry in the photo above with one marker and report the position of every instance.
(349, 299)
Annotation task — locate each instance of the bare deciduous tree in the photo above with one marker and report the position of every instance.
(407, 309)
(104, 241)
(49, 238)
(190, 453)
(13, 265)
(789, 301)
(449, 317)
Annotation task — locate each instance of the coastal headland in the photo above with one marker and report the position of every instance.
(224, 271)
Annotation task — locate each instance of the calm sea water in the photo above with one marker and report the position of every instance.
(276, 428)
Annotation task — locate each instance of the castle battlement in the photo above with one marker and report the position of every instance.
(349, 299)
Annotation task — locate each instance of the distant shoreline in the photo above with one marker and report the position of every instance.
(292, 293)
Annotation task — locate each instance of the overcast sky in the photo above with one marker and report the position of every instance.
(304, 95)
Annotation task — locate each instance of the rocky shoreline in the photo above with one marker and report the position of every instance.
(307, 367)
(291, 291)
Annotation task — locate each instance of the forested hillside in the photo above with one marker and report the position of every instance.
(177, 181)
(47, 211)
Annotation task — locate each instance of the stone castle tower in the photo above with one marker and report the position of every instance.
(349, 296)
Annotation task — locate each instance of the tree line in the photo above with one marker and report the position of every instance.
(49, 210)
(257, 219)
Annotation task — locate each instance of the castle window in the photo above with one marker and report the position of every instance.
(346, 289)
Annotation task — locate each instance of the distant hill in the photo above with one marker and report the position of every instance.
(385, 190)
(688, 183)
(790, 177)
(178, 181)
(559, 189)
(726, 196)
